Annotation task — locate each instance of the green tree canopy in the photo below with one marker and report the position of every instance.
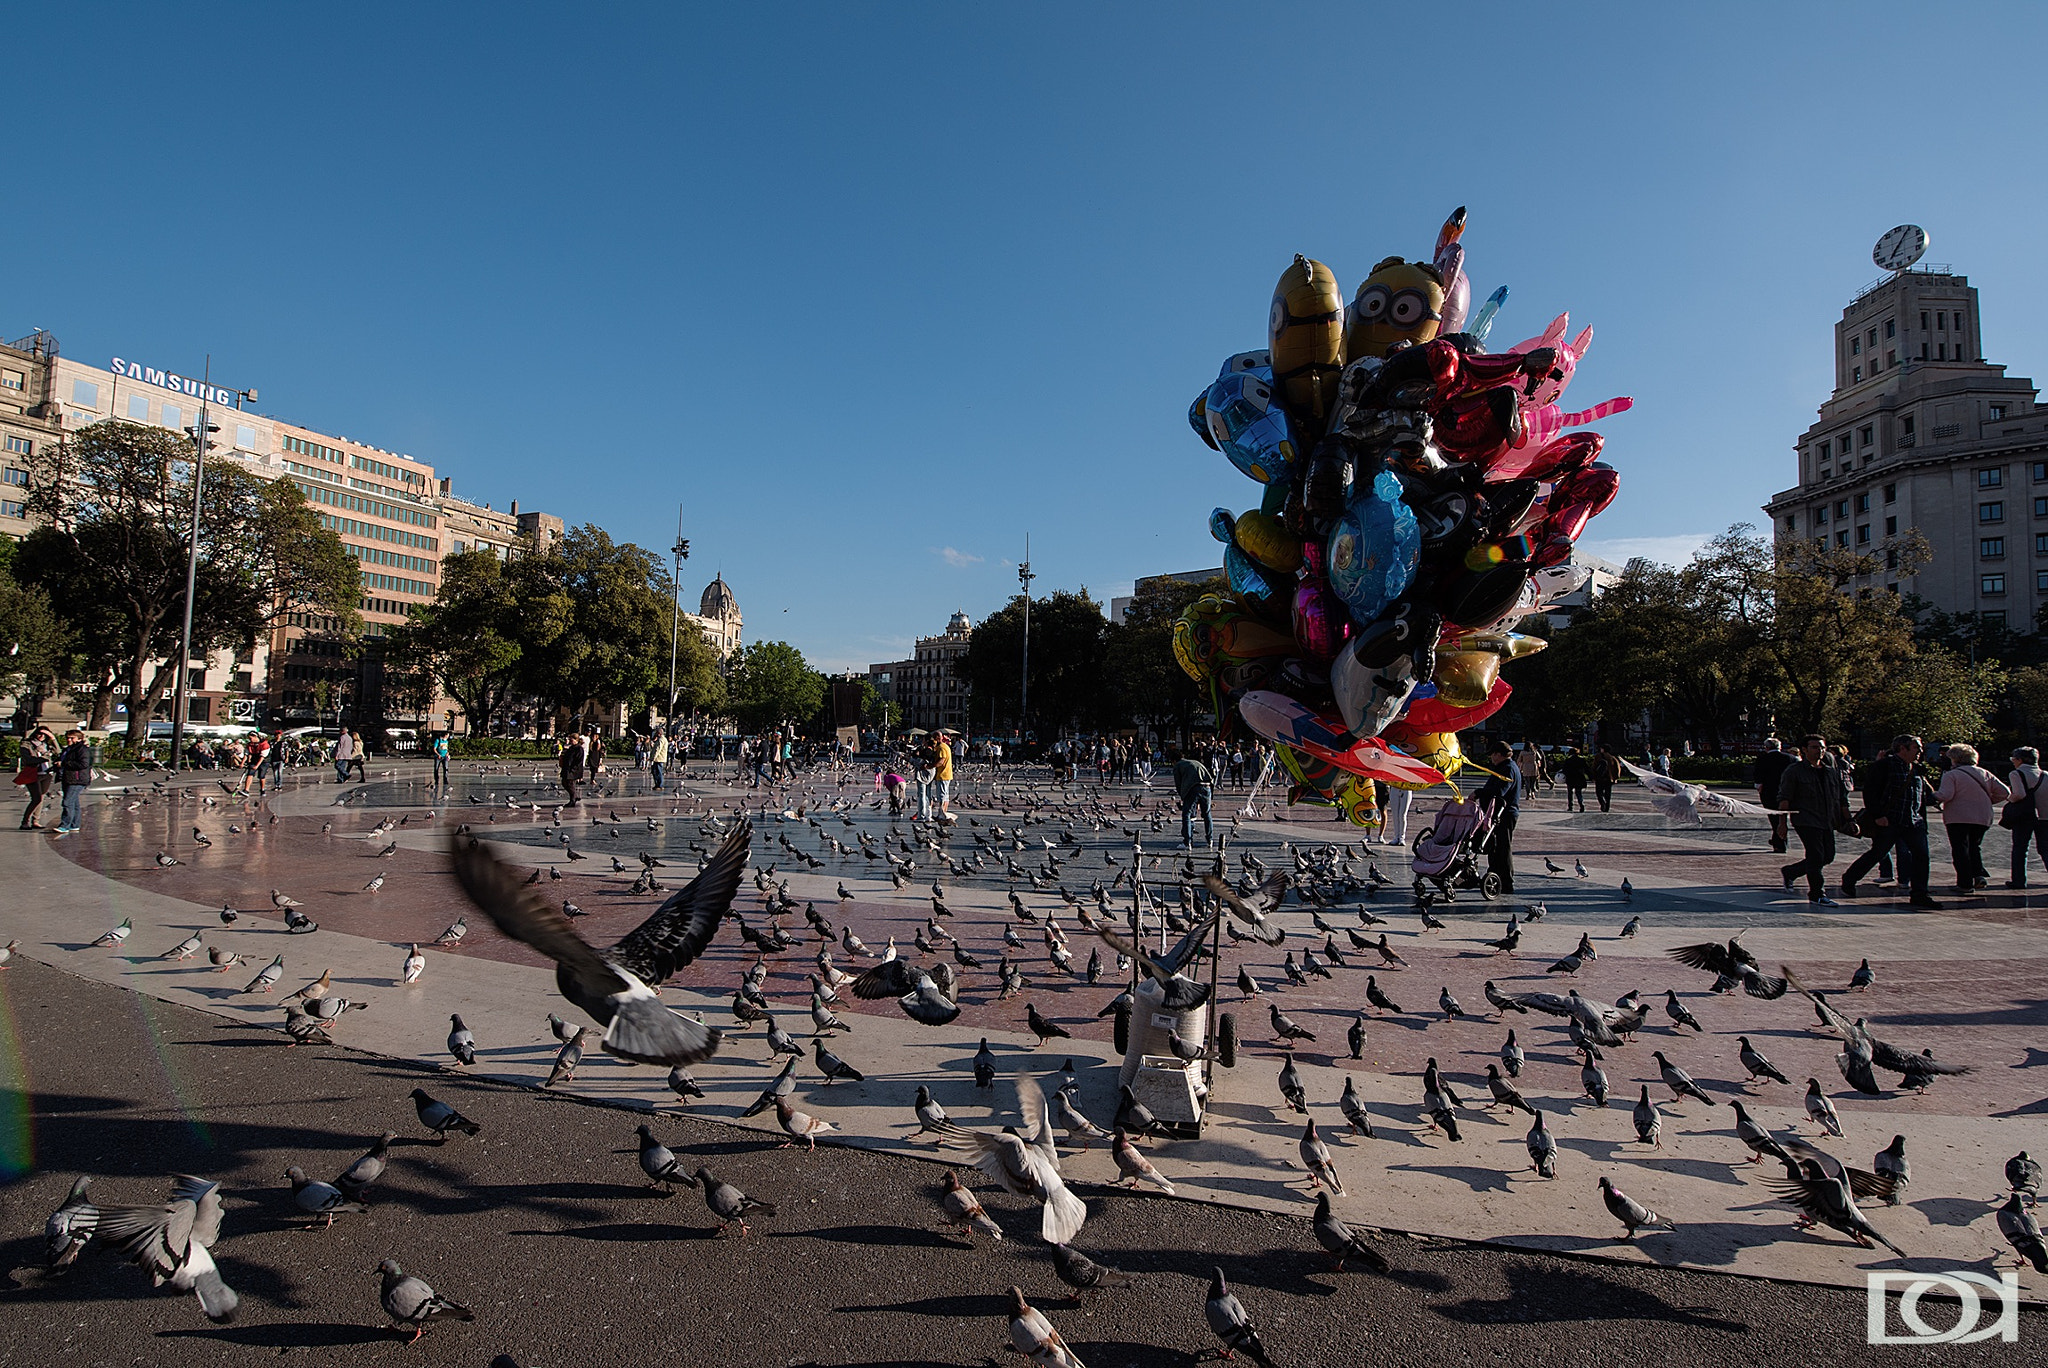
(613, 646)
(474, 636)
(1143, 681)
(771, 684)
(1068, 633)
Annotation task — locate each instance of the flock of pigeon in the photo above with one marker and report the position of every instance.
(1031, 841)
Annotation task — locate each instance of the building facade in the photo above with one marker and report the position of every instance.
(30, 419)
(930, 686)
(718, 617)
(1922, 433)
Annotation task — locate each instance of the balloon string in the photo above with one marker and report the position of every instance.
(1251, 799)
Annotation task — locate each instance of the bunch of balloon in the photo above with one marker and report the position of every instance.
(1421, 495)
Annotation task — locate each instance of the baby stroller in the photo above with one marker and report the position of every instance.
(1448, 850)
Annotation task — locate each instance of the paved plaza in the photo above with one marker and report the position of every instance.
(1963, 982)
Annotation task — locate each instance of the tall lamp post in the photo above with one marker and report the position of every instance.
(1024, 577)
(681, 551)
(202, 442)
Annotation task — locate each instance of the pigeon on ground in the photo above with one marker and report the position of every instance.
(2023, 1175)
(297, 923)
(164, 860)
(682, 1085)
(1827, 1199)
(1511, 1057)
(1449, 1004)
(266, 977)
(373, 885)
(1862, 978)
(1676, 1010)
(567, 1058)
(1315, 1157)
(1379, 1000)
(1291, 1088)
(115, 936)
(831, 1065)
(1352, 1107)
(664, 1171)
(173, 1242)
(2023, 1233)
(1068, 1107)
(1026, 1162)
(1083, 1274)
(1284, 1028)
(70, 1228)
(457, 929)
(964, 1210)
(319, 1199)
(1542, 1147)
(1891, 1162)
(356, 1180)
(930, 1115)
(1505, 1094)
(1032, 1335)
(1753, 1060)
(461, 1043)
(1342, 1241)
(1629, 928)
(412, 1304)
(799, 1125)
(1043, 1029)
(1649, 1121)
(616, 986)
(783, 1086)
(1437, 1101)
(439, 1117)
(1354, 1036)
(1626, 1209)
(1678, 1080)
(184, 949)
(1757, 1137)
(415, 965)
(1821, 1111)
(1232, 1324)
(727, 1203)
(1592, 1077)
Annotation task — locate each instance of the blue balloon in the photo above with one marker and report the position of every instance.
(1245, 576)
(1248, 423)
(1374, 549)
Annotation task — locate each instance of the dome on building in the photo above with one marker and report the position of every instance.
(958, 624)
(718, 601)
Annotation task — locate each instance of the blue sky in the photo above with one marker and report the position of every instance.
(876, 290)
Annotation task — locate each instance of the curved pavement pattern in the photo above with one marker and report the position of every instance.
(1965, 982)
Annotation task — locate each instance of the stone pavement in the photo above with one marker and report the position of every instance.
(1965, 982)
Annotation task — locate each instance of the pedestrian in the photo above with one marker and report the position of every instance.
(1810, 790)
(1194, 782)
(358, 756)
(657, 756)
(252, 763)
(74, 772)
(344, 755)
(1969, 795)
(38, 763)
(1606, 774)
(278, 751)
(1394, 824)
(1573, 769)
(1530, 760)
(942, 773)
(1770, 767)
(1662, 763)
(639, 751)
(1897, 795)
(441, 758)
(570, 765)
(2025, 816)
(1504, 790)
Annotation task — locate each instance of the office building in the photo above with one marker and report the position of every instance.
(29, 420)
(1120, 607)
(930, 686)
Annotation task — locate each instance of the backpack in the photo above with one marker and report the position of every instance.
(2019, 815)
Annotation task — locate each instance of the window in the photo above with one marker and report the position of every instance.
(19, 446)
(138, 407)
(1941, 351)
(1995, 618)
(1791, 524)
(1856, 374)
(1890, 328)
(1891, 493)
(85, 394)
(195, 680)
(1863, 534)
(174, 417)
(1891, 527)
(1991, 479)
(1923, 351)
(2041, 580)
(1991, 512)
(1891, 356)
(1923, 320)
(1825, 452)
(1841, 508)
(1825, 472)
(1991, 584)
(1866, 433)
(1906, 426)
(1855, 346)
(1863, 502)
(1997, 411)
(1842, 538)
(1873, 338)
(14, 475)
(2041, 508)
(244, 681)
(1891, 558)
(1991, 548)
(245, 437)
(2040, 471)
(2041, 543)
(13, 508)
(12, 379)
(1941, 322)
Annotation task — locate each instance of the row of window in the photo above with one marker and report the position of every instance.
(317, 451)
(1993, 548)
(20, 446)
(14, 475)
(354, 527)
(397, 586)
(389, 472)
(383, 605)
(378, 556)
(13, 380)
(389, 512)
(13, 508)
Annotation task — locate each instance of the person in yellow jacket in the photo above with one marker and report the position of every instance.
(942, 773)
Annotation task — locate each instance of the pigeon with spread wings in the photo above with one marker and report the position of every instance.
(1183, 994)
(1682, 804)
(1252, 908)
(616, 986)
(1025, 1162)
(1733, 962)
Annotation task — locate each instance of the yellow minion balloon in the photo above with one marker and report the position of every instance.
(1307, 336)
(1401, 301)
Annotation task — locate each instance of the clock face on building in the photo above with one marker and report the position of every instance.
(1900, 248)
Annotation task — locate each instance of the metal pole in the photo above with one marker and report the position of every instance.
(191, 583)
(675, 621)
(1024, 577)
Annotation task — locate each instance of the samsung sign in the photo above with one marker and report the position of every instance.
(171, 380)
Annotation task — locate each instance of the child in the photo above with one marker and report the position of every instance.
(892, 784)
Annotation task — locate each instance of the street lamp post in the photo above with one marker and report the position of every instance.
(202, 441)
(1024, 577)
(681, 550)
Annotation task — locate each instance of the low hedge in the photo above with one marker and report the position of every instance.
(1703, 769)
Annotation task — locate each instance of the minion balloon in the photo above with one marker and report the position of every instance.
(1400, 302)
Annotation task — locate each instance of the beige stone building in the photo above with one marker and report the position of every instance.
(1922, 432)
(718, 617)
(930, 686)
(479, 527)
(30, 419)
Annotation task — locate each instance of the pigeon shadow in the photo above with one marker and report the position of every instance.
(975, 1306)
(627, 1232)
(1951, 1211)
(1478, 1179)
(882, 1236)
(283, 1335)
(1557, 1295)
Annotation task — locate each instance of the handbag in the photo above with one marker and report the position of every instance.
(2018, 815)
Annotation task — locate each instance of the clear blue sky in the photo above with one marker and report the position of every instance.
(877, 289)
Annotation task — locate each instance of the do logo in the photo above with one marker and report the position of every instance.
(1964, 1287)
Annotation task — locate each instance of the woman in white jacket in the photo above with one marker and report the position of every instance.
(2029, 786)
(1969, 796)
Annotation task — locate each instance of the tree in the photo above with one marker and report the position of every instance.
(116, 501)
(1067, 637)
(613, 647)
(1935, 694)
(878, 712)
(1143, 681)
(474, 636)
(33, 640)
(771, 684)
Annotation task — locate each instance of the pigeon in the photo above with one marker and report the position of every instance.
(1505, 1094)
(617, 986)
(800, 1125)
(199, 838)
(1026, 1163)
(1649, 1121)
(1552, 867)
(297, 923)
(411, 1303)
(70, 1228)
(172, 1242)
(1592, 1077)
(164, 860)
(439, 1117)
(1580, 867)
(266, 977)
(1291, 1087)
(1733, 965)
(984, 1066)
(1756, 1136)
(1759, 1067)
(1352, 1107)
(455, 932)
(1387, 953)
(1354, 1036)
(1511, 1056)
(780, 1042)
(116, 935)
(1286, 1029)
(1251, 910)
(1678, 1080)
(1676, 1010)
(1379, 1000)
(2023, 1233)
(783, 1086)
(1627, 1210)
(1629, 928)
(461, 1043)
(1437, 1101)
(566, 1059)
(1071, 1119)
(281, 900)
(1449, 1004)
(415, 965)
(184, 949)
(1232, 1324)
(355, 1180)
(831, 1065)
(1134, 1116)
(1247, 985)
(319, 1199)
(964, 1210)
(1828, 1200)
(1315, 1157)
(228, 915)
(1862, 978)
(1342, 1241)
(1628, 890)
(1891, 1162)
(2023, 1175)
(1501, 1003)
(1083, 1274)
(664, 1171)
(727, 1203)
(1032, 1335)
(373, 885)
(682, 1085)
(1821, 1111)
(1135, 1167)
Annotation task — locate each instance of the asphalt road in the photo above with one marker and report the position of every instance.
(543, 1226)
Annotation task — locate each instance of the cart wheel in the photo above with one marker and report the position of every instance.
(1489, 885)
(1123, 1030)
(1226, 1041)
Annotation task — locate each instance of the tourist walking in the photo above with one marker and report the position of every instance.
(570, 765)
(344, 754)
(1968, 795)
(1504, 790)
(1530, 761)
(1896, 796)
(1606, 774)
(1817, 805)
(440, 759)
(1394, 821)
(38, 761)
(2025, 815)
(942, 773)
(1574, 770)
(74, 772)
(1770, 768)
(657, 757)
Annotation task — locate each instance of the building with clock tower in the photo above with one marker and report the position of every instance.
(1921, 432)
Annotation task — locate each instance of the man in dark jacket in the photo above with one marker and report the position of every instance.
(1574, 771)
(1770, 768)
(1810, 790)
(1194, 782)
(1606, 774)
(1504, 790)
(571, 765)
(74, 772)
(1897, 798)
